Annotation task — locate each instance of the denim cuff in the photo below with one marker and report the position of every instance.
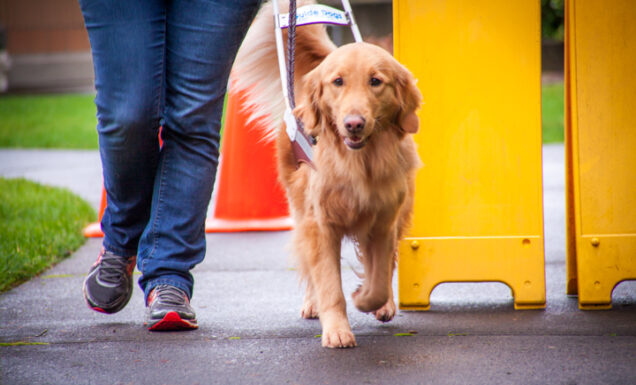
(118, 251)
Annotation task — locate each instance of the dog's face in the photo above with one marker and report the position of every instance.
(356, 91)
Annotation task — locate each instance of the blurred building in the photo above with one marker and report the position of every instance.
(47, 44)
(49, 47)
(50, 52)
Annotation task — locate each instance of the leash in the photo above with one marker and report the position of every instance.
(301, 153)
(309, 14)
(291, 54)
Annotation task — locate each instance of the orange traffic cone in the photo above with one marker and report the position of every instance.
(248, 197)
(94, 230)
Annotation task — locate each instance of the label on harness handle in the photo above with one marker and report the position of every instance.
(314, 14)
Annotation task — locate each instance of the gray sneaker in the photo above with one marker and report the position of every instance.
(169, 308)
(109, 285)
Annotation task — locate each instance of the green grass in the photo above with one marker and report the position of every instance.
(552, 111)
(51, 121)
(68, 121)
(39, 226)
(48, 121)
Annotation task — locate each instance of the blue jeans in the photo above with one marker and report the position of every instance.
(161, 63)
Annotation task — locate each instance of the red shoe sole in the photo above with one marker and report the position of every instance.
(172, 321)
(97, 309)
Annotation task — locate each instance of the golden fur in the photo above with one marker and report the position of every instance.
(363, 182)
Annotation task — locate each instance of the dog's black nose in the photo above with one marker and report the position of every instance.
(354, 123)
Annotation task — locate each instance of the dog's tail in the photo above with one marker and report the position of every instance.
(256, 71)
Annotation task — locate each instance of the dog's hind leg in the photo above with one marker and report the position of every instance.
(309, 309)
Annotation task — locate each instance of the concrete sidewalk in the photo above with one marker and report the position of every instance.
(248, 300)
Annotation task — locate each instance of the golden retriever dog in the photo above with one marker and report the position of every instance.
(360, 104)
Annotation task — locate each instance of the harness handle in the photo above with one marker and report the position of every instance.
(301, 143)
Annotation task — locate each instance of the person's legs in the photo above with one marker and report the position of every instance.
(202, 38)
(127, 42)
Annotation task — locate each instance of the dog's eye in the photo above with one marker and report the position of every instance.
(375, 82)
(338, 82)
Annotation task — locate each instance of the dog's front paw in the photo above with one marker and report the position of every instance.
(367, 301)
(386, 312)
(338, 339)
(309, 310)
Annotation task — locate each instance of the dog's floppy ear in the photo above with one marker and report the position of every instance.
(409, 98)
(308, 105)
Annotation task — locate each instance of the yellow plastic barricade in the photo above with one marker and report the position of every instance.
(478, 208)
(600, 148)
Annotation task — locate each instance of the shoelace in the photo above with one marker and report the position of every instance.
(169, 295)
(112, 268)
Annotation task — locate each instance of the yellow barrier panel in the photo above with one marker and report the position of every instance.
(478, 209)
(600, 148)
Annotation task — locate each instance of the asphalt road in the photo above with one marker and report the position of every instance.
(248, 301)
